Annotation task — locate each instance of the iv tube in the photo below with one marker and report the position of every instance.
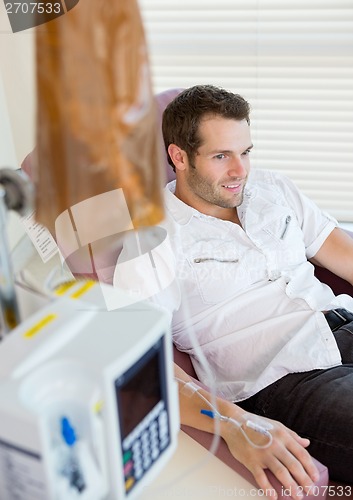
(247, 422)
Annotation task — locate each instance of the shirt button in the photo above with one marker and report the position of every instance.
(274, 274)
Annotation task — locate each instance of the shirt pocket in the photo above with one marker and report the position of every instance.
(283, 236)
(217, 269)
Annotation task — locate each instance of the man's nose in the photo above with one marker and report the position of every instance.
(237, 168)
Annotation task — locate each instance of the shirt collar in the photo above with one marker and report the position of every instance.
(180, 211)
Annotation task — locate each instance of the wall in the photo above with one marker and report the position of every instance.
(17, 94)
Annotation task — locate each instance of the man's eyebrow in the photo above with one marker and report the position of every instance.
(219, 151)
(227, 151)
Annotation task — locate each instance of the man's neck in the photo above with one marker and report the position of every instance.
(228, 214)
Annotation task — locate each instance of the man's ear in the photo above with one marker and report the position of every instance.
(178, 156)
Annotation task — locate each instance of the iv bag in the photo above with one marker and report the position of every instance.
(96, 122)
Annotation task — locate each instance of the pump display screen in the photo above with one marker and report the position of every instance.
(143, 413)
(139, 393)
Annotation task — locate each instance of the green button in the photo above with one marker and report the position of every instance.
(127, 456)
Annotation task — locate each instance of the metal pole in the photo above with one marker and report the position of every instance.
(10, 316)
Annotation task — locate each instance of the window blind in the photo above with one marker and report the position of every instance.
(292, 60)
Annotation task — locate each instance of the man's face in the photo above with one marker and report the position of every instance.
(217, 177)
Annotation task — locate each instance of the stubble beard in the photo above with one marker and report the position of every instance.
(209, 192)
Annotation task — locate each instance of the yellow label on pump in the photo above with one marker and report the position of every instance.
(83, 289)
(64, 287)
(97, 407)
(39, 326)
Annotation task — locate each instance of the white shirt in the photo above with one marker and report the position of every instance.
(249, 293)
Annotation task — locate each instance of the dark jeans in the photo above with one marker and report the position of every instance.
(317, 405)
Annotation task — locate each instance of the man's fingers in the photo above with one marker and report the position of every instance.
(290, 463)
(285, 475)
(264, 484)
(306, 460)
(292, 453)
(302, 441)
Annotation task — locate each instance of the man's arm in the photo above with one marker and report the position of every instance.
(286, 457)
(336, 255)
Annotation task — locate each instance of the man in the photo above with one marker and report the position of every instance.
(242, 244)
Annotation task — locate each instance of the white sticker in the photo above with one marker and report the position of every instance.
(40, 237)
(21, 474)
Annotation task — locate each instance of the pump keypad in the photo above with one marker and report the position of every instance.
(144, 445)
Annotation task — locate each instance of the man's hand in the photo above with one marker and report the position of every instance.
(286, 457)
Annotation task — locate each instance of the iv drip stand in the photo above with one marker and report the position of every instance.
(15, 194)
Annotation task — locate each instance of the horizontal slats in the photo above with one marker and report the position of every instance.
(295, 139)
(230, 40)
(236, 59)
(240, 5)
(269, 77)
(301, 168)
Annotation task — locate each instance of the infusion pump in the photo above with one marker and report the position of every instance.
(88, 402)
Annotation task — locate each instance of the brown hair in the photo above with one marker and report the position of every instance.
(182, 117)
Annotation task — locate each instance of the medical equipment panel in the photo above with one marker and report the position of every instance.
(106, 378)
(144, 422)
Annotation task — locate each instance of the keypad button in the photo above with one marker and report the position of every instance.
(145, 437)
(136, 447)
(154, 440)
(128, 467)
(138, 472)
(155, 452)
(137, 456)
(154, 426)
(138, 462)
(127, 456)
(147, 463)
(163, 418)
(129, 483)
(164, 443)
